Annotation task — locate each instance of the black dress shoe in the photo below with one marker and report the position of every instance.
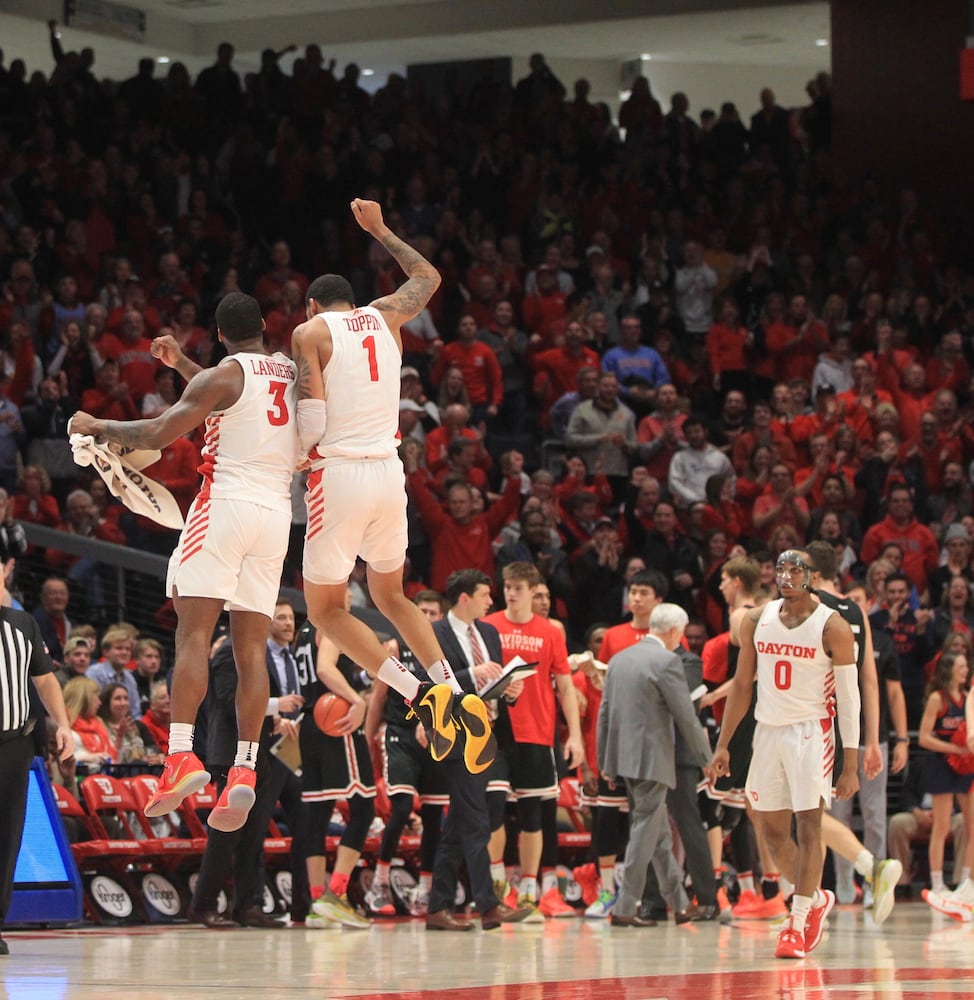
(504, 914)
(634, 921)
(444, 920)
(210, 918)
(4, 950)
(696, 913)
(254, 916)
(657, 913)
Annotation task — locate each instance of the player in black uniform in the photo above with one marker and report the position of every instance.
(334, 768)
(880, 874)
(409, 771)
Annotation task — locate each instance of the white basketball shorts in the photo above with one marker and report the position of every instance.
(792, 766)
(232, 550)
(355, 508)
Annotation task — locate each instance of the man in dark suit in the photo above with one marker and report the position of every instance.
(241, 851)
(645, 694)
(473, 650)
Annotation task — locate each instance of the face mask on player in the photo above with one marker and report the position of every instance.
(792, 570)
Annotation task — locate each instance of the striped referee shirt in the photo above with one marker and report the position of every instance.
(23, 654)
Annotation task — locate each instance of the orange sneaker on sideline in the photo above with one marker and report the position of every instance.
(769, 909)
(552, 905)
(182, 775)
(230, 812)
(588, 881)
(746, 903)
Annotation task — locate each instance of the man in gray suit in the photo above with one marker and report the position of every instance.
(645, 694)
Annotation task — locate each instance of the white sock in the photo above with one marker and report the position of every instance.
(246, 755)
(398, 678)
(442, 673)
(965, 874)
(800, 905)
(528, 887)
(608, 876)
(746, 882)
(497, 871)
(381, 876)
(181, 737)
(864, 864)
(937, 881)
(426, 880)
(786, 887)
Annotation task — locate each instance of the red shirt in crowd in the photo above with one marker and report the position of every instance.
(467, 545)
(533, 714)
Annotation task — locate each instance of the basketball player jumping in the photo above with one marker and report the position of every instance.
(803, 655)
(348, 362)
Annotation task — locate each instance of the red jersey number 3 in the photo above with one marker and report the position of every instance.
(277, 417)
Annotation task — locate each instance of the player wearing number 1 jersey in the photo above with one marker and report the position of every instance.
(233, 545)
(348, 362)
(804, 657)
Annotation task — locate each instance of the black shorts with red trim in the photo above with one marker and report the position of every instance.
(334, 767)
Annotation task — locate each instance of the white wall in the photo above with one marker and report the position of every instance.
(709, 85)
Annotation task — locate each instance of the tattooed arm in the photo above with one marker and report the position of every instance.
(213, 389)
(411, 298)
(311, 350)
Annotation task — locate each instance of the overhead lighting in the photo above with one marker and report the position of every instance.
(821, 42)
(163, 59)
(645, 57)
(368, 72)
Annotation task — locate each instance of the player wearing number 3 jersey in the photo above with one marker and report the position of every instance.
(803, 655)
(233, 545)
(348, 362)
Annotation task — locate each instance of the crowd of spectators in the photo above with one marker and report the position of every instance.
(658, 341)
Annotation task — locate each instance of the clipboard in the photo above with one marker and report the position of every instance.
(288, 752)
(515, 670)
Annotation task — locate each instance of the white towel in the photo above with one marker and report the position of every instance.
(121, 467)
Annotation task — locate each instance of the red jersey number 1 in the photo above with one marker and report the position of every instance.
(369, 345)
(277, 417)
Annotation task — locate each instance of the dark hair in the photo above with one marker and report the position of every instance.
(105, 708)
(458, 445)
(238, 317)
(590, 631)
(329, 289)
(429, 597)
(713, 488)
(464, 581)
(651, 578)
(940, 678)
(823, 558)
(896, 578)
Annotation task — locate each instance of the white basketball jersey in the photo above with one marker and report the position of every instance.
(361, 387)
(251, 448)
(795, 678)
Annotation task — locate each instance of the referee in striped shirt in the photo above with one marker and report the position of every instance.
(23, 656)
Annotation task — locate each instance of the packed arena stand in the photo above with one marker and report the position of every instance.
(657, 344)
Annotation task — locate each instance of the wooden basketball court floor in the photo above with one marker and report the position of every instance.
(915, 954)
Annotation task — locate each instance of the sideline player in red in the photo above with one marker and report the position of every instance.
(349, 361)
(235, 539)
(803, 654)
(532, 720)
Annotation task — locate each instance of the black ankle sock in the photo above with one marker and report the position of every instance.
(770, 888)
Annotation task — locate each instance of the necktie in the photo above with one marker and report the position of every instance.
(476, 646)
(479, 655)
(291, 677)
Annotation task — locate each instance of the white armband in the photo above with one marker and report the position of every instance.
(311, 423)
(848, 705)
